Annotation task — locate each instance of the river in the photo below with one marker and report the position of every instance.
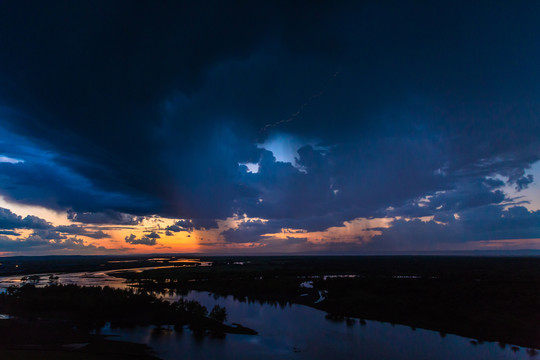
(290, 332)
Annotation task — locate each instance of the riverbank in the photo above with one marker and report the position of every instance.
(489, 299)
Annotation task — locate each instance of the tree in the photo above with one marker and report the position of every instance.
(218, 313)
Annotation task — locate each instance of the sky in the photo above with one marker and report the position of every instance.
(269, 127)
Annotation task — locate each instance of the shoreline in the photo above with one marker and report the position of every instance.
(489, 302)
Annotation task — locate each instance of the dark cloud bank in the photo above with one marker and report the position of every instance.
(127, 109)
(44, 237)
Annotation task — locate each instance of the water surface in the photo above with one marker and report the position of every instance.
(290, 332)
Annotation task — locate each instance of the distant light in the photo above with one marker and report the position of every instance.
(6, 159)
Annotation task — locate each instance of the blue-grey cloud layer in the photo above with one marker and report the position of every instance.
(142, 108)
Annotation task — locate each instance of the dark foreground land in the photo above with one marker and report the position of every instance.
(59, 321)
(486, 298)
(56, 340)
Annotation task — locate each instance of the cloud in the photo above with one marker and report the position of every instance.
(79, 230)
(295, 241)
(396, 134)
(44, 179)
(174, 228)
(145, 240)
(248, 231)
(108, 217)
(489, 222)
(524, 181)
(48, 234)
(9, 220)
(9, 232)
(193, 224)
(153, 235)
(37, 244)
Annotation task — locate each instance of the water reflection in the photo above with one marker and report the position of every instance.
(289, 331)
(96, 278)
(299, 332)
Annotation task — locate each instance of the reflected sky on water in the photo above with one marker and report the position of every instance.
(290, 332)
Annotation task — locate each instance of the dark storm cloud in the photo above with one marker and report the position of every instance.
(471, 193)
(249, 231)
(108, 217)
(207, 224)
(40, 179)
(123, 110)
(347, 179)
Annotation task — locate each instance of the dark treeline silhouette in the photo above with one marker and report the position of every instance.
(45, 319)
(44, 339)
(93, 307)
